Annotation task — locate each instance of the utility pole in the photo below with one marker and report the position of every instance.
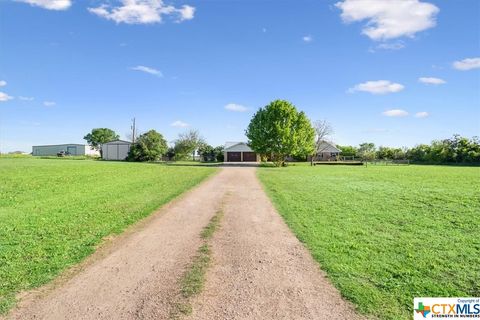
(133, 130)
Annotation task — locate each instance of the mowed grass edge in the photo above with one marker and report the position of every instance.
(385, 235)
(54, 213)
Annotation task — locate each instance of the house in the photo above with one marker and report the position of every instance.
(327, 151)
(116, 150)
(239, 152)
(72, 149)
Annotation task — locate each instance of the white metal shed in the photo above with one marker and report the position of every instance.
(116, 150)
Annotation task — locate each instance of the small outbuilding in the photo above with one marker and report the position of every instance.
(239, 152)
(116, 150)
(72, 149)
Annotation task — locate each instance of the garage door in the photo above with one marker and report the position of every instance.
(233, 157)
(249, 156)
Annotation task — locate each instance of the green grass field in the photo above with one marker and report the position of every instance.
(386, 234)
(53, 213)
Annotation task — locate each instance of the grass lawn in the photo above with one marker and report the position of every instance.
(53, 213)
(386, 234)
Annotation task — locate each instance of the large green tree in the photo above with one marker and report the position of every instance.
(149, 146)
(99, 136)
(279, 130)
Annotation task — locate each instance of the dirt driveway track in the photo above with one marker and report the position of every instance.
(259, 269)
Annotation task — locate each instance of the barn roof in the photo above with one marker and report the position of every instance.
(60, 144)
(118, 142)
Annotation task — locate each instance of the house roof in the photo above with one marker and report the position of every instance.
(229, 144)
(237, 146)
(326, 146)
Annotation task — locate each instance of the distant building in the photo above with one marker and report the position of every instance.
(116, 150)
(239, 152)
(70, 149)
(327, 151)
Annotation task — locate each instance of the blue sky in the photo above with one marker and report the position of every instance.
(67, 66)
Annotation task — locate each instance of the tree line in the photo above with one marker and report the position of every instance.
(279, 131)
(454, 150)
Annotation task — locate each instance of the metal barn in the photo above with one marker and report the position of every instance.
(72, 149)
(116, 150)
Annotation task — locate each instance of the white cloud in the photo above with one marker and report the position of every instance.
(3, 83)
(235, 107)
(395, 113)
(431, 80)
(142, 11)
(377, 87)
(5, 97)
(307, 39)
(467, 64)
(179, 124)
(389, 19)
(49, 103)
(422, 114)
(149, 70)
(26, 98)
(186, 13)
(49, 4)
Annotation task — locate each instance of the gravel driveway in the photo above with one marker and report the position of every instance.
(259, 270)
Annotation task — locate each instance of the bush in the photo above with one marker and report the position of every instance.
(150, 146)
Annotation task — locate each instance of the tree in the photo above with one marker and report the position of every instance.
(280, 130)
(322, 130)
(219, 153)
(149, 146)
(419, 153)
(385, 153)
(366, 151)
(453, 150)
(99, 136)
(170, 153)
(348, 151)
(187, 143)
(207, 152)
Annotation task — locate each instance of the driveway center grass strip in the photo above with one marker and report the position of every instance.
(193, 280)
(53, 213)
(385, 235)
